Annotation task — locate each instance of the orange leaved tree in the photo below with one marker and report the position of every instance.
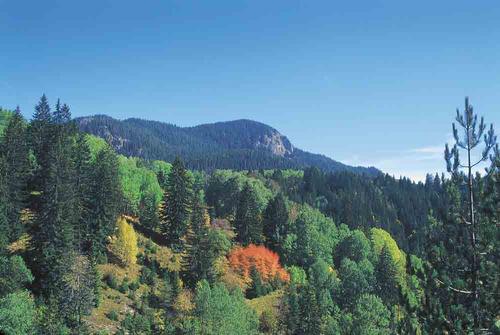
(265, 261)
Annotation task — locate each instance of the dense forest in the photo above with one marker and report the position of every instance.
(240, 144)
(95, 242)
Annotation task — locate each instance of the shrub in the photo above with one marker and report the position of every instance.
(112, 315)
(111, 281)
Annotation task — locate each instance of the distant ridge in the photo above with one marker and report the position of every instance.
(239, 144)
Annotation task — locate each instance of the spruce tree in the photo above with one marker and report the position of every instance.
(176, 205)
(248, 222)
(54, 237)
(148, 211)
(4, 227)
(15, 152)
(275, 222)
(105, 201)
(386, 274)
(195, 251)
(40, 138)
(83, 174)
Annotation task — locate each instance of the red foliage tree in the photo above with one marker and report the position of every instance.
(265, 261)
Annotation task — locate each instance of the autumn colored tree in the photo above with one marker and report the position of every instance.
(124, 244)
(265, 262)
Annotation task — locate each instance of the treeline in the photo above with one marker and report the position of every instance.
(238, 145)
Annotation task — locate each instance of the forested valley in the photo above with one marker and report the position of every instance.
(95, 242)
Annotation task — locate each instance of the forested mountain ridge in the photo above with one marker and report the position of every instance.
(239, 144)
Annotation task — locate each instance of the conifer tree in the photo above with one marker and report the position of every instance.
(275, 222)
(469, 140)
(148, 211)
(56, 220)
(15, 152)
(78, 290)
(195, 252)
(83, 174)
(105, 201)
(386, 274)
(40, 138)
(4, 227)
(176, 205)
(248, 222)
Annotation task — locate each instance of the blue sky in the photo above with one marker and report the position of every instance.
(364, 82)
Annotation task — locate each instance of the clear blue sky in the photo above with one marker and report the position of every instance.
(364, 82)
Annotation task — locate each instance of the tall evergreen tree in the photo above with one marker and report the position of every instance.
(470, 139)
(83, 174)
(275, 222)
(15, 152)
(148, 211)
(176, 205)
(4, 227)
(40, 138)
(54, 227)
(248, 222)
(386, 274)
(105, 201)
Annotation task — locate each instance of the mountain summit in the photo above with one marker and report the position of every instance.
(239, 144)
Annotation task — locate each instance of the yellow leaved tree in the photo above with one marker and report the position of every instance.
(124, 244)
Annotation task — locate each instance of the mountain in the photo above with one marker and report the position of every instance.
(240, 144)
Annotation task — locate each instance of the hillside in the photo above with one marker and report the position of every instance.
(240, 144)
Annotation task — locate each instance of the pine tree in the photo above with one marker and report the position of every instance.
(248, 222)
(275, 222)
(470, 139)
(176, 205)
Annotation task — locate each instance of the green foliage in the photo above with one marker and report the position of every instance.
(381, 239)
(386, 273)
(15, 152)
(357, 279)
(14, 275)
(313, 236)
(105, 201)
(297, 275)
(17, 313)
(176, 205)
(136, 181)
(222, 313)
(248, 222)
(370, 316)
(356, 247)
(275, 222)
(5, 116)
(224, 187)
